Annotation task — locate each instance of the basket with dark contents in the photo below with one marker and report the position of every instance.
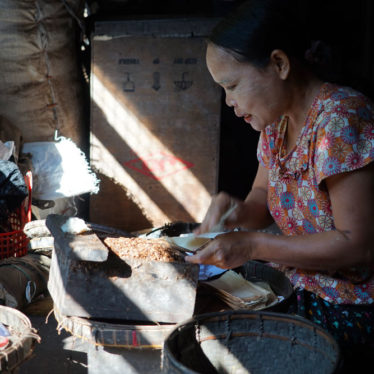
(243, 342)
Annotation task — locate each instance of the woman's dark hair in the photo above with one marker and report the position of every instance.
(257, 27)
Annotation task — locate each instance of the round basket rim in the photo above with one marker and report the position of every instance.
(252, 314)
(15, 354)
(255, 314)
(89, 330)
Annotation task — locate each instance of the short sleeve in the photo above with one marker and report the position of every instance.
(344, 137)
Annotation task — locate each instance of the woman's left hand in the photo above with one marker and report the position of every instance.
(226, 251)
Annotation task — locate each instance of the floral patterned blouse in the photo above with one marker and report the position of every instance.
(338, 136)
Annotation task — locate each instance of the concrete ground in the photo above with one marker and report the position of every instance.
(57, 353)
(60, 353)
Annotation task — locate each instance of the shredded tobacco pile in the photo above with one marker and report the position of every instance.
(144, 249)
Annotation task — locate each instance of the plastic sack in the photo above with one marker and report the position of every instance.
(60, 170)
(23, 279)
(13, 189)
(7, 150)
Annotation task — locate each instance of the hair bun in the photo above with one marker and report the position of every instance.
(319, 53)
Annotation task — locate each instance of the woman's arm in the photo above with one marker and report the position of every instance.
(351, 244)
(255, 213)
(250, 214)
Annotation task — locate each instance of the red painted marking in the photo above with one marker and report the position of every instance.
(4, 341)
(134, 339)
(158, 165)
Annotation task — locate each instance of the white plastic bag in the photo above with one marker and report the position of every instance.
(60, 170)
(7, 150)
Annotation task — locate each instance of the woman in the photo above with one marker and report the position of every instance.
(315, 177)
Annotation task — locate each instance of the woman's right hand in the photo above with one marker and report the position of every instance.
(219, 205)
(227, 251)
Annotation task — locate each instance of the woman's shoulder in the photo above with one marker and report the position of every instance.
(341, 107)
(343, 101)
(343, 132)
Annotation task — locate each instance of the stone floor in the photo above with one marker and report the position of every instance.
(57, 353)
(60, 353)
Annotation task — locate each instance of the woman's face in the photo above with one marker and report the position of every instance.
(257, 95)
